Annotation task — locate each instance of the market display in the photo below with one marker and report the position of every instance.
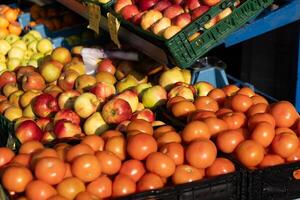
(129, 127)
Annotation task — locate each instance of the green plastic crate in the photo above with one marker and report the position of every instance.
(7, 138)
(183, 52)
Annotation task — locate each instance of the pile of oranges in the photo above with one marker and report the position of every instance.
(114, 164)
(8, 21)
(242, 123)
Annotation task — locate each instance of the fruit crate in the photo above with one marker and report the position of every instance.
(183, 52)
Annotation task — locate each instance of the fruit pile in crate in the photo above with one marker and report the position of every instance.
(9, 21)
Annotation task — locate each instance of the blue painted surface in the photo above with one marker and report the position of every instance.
(286, 14)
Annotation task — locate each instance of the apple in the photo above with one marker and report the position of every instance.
(35, 34)
(44, 46)
(116, 111)
(86, 104)
(13, 63)
(68, 115)
(66, 99)
(28, 38)
(43, 123)
(28, 112)
(211, 2)
(162, 5)
(37, 56)
(21, 71)
(182, 91)
(171, 31)
(66, 129)
(20, 44)
(2, 98)
(4, 47)
(154, 97)
(48, 136)
(53, 90)
(45, 105)
(27, 56)
(15, 52)
(187, 76)
(7, 77)
(20, 120)
(191, 87)
(192, 5)
(147, 4)
(140, 88)
(137, 18)
(12, 113)
(27, 131)
(33, 63)
(76, 66)
(129, 11)
(173, 11)
(67, 79)
(33, 81)
(203, 88)
(182, 20)
(103, 91)
(150, 18)
(95, 124)
(169, 77)
(159, 27)
(145, 114)
(4, 105)
(122, 126)
(9, 88)
(126, 83)
(2, 58)
(123, 69)
(106, 65)
(11, 38)
(131, 97)
(3, 67)
(120, 4)
(106, 77)
(85, 82)
(76, 50)
(14, 98)
(50, 70)
(28, 96)
(199, 11)
(140, 107)
(62, 55)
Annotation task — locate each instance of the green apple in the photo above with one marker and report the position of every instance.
(154, 96)
(170, 77)
(2, 58)
(95, 124)
(140, 88)
(28, 38)
(24, 62)
(3, 66)
(44, 46)
(21, 44)
(16, 52)
(4, 47)
(126, 83)
(12, 38)
(13, 63)
(37, 56)
(33, 63)
(27, 54)
(35, 34)
(32, 46)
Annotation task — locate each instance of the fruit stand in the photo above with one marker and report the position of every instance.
(118, 100)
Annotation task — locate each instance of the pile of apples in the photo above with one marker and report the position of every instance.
(239, 122)
(9, 21)
(112, 165)
(22, 51)
(166, 18)
(53, 17)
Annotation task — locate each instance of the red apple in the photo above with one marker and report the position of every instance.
(65, 129)
(67, 99)
(86, 104)
(21, 71)
(33, 81)
(103, 91)
(54, 90)
(106, 65)
(173, 11)
(129, 11)
(122, 126)
(182, 20)
(120, 4)
(211, 2)
(116, 111)
(179, 2)
(48, 136)
(67, 79)
(67, 114)
(199, 11)
(186, 85)
(85, 82)
(44, 105)
(162, 5)
(145, 114)
(131, 97)
(182, 91)
(147, 4)
(192, 5)
(43, 123)
(7, 77)
(137, 18)
(28, 130)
